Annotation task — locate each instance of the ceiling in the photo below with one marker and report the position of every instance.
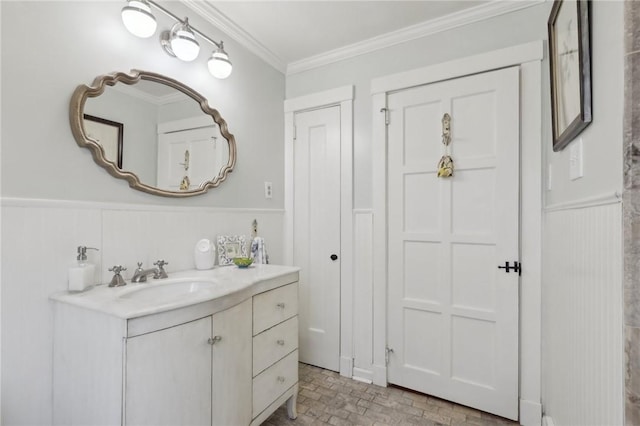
(297, 35)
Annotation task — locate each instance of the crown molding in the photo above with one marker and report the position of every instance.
(224, 24)
(454, 20)
(448, 22)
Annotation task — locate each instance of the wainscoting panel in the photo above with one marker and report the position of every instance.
(583, 370)
(38, 245)
(363, 295)
(39, 241)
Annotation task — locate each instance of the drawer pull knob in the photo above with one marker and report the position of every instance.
(280, 342)
(280, 305)
(213, 340)
(281, 379)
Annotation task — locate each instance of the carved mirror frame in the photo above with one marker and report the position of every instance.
(76, 113)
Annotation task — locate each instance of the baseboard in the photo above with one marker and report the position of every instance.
(380, 375)
(547, 421)
(346, 366)
(530, 413)
(362, 375)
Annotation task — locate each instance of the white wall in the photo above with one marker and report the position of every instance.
(567, 308)
(70, 43)
(583, 367)
(55, 198)
(484, 36)
(602, 139)
(504, 31)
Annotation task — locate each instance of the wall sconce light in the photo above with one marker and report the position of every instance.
(138, 19)
(180, 41)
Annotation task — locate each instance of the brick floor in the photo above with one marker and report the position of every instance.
(326, 398)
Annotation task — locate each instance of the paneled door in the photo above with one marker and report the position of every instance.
(316, 228)
(452, 312)
(195, 153)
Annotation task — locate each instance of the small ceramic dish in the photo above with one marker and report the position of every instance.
(242, 262)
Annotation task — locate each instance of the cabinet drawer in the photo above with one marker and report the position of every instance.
(274, 381)
(274, 343)
(273, 307)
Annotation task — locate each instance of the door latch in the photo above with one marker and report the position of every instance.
(387, 351)
(517, 267)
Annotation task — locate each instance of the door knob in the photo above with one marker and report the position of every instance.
(334, 257)
(213, 340)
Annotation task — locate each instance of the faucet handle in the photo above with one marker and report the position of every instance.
(117, 280)
(161, 273)
(116, 269)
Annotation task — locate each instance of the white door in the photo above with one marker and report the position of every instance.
(195, 153)
(316, 228)
(453, 314)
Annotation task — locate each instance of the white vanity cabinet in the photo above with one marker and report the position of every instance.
(226, 359)
(275, 351)
(176, 376)
(168, 376)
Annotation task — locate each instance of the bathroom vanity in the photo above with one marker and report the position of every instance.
(217, 347)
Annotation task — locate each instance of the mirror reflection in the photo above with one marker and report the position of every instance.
(154, 133)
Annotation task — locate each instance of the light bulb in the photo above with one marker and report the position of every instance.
(183, 42)
(138, 19)
(219, 64)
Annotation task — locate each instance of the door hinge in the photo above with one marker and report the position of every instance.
(386, 115)
(295, 132)
(387, 352)
(517, 267)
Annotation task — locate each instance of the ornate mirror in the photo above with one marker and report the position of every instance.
(156, 133)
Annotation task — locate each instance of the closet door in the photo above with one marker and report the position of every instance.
(317, 234)
(453, 313)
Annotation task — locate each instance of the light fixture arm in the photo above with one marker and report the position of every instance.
(171, 15)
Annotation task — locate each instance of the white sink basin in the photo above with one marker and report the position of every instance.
(160, 293)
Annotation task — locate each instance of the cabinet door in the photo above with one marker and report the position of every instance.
(232, 361)
(168, 376)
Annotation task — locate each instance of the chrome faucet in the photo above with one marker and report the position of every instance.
(140, 274)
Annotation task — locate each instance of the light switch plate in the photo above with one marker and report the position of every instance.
(268, 190)
(576, 166)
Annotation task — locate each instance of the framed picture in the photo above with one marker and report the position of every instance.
(108, 134)
(230, 247)
(570, 62)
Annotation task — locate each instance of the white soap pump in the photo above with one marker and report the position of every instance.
(82, 274)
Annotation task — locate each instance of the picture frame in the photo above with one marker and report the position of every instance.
(570, 68)
(230, 246)
(108, 134)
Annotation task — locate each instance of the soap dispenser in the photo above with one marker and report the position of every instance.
(204, 254)
(82, 274)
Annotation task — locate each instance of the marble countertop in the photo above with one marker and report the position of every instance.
(181, 289)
